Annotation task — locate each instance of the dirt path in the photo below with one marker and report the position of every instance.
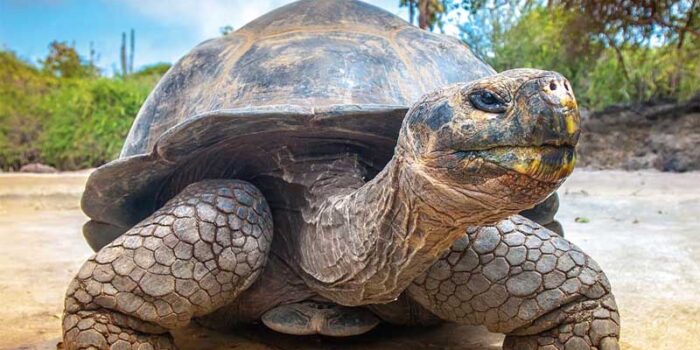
(643, 228)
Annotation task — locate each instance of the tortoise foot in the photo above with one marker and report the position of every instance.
(581, 325)
(194, 255)
(104, 329)
(310, 317)
(523, 280)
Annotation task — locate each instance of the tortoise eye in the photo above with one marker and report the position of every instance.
(487, 101)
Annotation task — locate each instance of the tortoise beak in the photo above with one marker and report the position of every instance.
(544, 163)
(556, 92)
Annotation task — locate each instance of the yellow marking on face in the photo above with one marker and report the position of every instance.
(535, 164)
(571, 125)
(520, 167)
(568, 166)
(528, 163)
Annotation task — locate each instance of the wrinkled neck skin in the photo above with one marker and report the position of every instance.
(363, 243)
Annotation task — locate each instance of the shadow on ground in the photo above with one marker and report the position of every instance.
(384, 337)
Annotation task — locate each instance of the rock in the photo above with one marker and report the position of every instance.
(663, 135)
(37, 168)
(645, 161)
(678, 152)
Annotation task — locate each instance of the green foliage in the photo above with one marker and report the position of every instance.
(226, 30)
(557, 39)
(543, 39)
(582, 220)
(664, 72)
(22, 88)
(539, 41)
(688, 69)
(637, 22)
(66, 115)
(89, 120)
(153, 71)
(63, 61)
(69, 123)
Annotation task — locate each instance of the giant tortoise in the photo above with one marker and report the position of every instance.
(277, 174)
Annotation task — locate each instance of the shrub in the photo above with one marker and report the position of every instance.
(69, 123)
(22, 88)
(551, 39)
(89, 120)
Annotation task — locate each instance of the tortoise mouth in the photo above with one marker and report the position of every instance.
(546, 163)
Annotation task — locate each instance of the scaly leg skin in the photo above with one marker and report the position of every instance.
(523, 280)
(197, 253)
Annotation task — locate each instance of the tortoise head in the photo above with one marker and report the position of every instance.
(506, 140)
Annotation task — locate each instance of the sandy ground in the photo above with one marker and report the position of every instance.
(643, 228)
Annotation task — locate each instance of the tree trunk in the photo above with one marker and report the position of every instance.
(423, 14)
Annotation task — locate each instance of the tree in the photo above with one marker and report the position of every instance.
(22, 87)
(639, 21)
(602, 72)
(538, 40)
(65, 62)
(612, 50)
(226, 30)
(638, 24)
(430, 12)
(482, 21)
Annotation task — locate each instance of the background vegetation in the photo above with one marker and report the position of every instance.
(63, 112)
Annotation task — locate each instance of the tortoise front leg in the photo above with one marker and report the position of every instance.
(523, 280)
(197, 253)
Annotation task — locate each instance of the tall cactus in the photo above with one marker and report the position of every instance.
(127, 65)
(131, 52)
(122, 55)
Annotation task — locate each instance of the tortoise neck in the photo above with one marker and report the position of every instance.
(366, 242)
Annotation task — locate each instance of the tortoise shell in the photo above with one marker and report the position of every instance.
(332, 74)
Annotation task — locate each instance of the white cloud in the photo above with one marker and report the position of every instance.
(206, 17)
(203, 19)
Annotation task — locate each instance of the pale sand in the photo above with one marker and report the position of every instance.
(643, 229)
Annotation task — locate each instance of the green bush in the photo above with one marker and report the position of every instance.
(539, 40)
(548, 38)
(22, 88)
(69, 123)
(152, 70)
(89, 120)
(66, 115)
(652, 73)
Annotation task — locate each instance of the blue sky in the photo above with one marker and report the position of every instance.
(165, 30)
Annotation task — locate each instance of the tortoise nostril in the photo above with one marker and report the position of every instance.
(557, 91)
